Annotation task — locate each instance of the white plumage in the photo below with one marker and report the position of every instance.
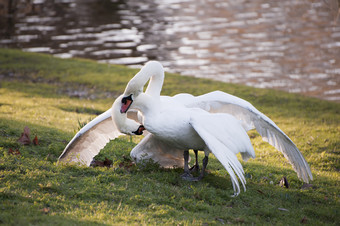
(214, 132)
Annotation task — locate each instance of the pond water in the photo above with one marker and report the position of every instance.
(292, 45)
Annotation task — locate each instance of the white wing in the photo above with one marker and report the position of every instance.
(251, 118)
(152, 148)
(88, 142)
(225, 137)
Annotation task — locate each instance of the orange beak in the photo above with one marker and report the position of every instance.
(126, 103)
(125, 107)
(139, 131)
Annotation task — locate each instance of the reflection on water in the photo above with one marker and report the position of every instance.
(293, 45)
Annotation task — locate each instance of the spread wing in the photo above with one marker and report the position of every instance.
(152, 148)
(251, 118)
(88, 142)
(225, 137)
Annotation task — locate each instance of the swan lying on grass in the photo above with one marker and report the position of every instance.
(240, 114)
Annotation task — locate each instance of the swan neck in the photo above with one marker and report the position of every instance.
(154, 71)
(156, 83)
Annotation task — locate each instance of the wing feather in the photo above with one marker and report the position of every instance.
(251, 118)
(225, 137)
(152, 148)
(88, 142)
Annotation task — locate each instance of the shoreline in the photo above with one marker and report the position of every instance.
(171, 71)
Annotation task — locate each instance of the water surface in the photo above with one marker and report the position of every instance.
(292, 45)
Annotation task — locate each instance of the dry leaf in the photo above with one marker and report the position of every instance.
(107, 162)
(127, 163)
(14, 152)
(304, 220)
(25, 137)
(35, 140)
(45, 210)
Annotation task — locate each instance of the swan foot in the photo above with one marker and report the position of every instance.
(188, 177)
(195, 168)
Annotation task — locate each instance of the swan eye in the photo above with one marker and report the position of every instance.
(127, 99)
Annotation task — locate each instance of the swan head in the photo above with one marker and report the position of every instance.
(132, 91)
(152, 70)
(126, 103)
(123, 123)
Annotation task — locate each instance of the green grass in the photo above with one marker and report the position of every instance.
(38, 91)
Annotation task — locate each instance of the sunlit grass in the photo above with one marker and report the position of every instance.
(36, 91)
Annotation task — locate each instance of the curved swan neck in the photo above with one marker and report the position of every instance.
(152, 70)
(156, 81)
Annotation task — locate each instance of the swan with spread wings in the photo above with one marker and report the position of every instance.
(238, 111)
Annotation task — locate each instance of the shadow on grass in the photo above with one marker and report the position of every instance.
(32, 182)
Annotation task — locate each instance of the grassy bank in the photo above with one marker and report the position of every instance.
(52, 96)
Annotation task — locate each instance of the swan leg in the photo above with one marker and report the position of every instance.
(195, 167)
(205, 163)
(187, 175)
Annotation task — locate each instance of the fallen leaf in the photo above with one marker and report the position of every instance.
(95, 163)
(35, 140)
(14, 152)
(25, 137)
(126, 163)
(107, 162)
(45, 210)
(284, 182)
(304, 220)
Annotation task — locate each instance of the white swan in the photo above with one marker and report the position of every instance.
(213, 102)
(191, 128)
(88, 142)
